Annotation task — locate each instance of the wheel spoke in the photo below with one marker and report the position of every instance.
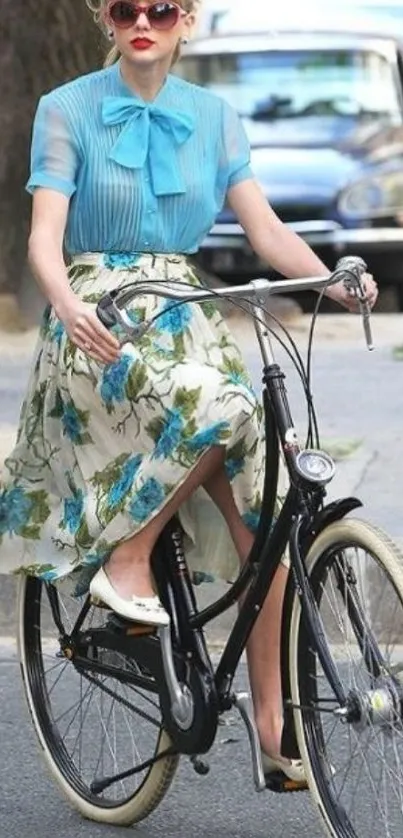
(357, 578)
(93, 725)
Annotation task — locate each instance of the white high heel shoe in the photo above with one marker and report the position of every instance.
(138, 609)
(292, 768)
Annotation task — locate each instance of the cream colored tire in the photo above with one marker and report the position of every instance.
(149, 794)
(390, 560)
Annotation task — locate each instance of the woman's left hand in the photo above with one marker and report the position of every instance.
(340, 294)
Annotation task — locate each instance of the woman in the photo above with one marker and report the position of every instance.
(130, 166)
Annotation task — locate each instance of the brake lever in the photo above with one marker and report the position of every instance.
(117, 321)
(365, 311)
(355, 267)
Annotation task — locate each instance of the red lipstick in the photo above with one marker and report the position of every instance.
(141, 43)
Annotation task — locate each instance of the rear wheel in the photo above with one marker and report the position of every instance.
(353, 755)
(91, 725)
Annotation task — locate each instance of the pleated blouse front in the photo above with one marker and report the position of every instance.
(141, 176)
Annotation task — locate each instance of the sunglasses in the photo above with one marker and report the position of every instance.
(162, 16)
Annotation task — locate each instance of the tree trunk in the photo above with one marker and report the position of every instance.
(43, 44)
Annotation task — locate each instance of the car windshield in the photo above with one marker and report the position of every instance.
(277, 84)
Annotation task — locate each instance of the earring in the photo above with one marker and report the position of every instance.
(110, 35)
(184, 41)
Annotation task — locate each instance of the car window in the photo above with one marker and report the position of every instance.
(285, 84)
(316, 14)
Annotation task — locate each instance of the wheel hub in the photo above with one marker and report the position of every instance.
(380, 707)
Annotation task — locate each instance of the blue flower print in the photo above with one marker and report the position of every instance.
(174, 318)
(251, 519)
(210, 436)
(171, 434)
(114, 380)
(124, 259)
(58, 332)
(71, 422)
(119, 490)
(15, 510)
(149, 498)
(50, 575)
(234, 467)
(73, 510)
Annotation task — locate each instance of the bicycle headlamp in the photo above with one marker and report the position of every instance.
(315, 466)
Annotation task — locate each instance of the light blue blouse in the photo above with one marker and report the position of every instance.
(147, 177)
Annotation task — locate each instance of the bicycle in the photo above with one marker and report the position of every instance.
(342, 676)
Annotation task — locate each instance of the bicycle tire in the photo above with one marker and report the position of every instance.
(334, 795)
(133, 807)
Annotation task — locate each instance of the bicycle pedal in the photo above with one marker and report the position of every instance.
(281, 784)
(129, 628)
(139, 630)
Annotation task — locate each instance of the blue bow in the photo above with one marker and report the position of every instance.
(149, 131)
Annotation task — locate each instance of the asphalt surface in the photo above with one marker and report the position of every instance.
(359, 398)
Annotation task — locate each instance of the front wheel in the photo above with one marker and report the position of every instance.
(353, 754)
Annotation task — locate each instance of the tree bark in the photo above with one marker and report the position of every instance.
(43, 44)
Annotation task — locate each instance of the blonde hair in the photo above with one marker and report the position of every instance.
(97, 7)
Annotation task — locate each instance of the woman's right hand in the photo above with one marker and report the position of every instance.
(86, 331)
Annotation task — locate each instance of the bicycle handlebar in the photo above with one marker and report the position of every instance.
(349, 270)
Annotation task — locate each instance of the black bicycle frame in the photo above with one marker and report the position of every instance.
(301, 517)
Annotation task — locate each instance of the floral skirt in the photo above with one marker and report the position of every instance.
(102, 448)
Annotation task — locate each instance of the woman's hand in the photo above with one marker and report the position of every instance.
(87, 332)
(340, 294)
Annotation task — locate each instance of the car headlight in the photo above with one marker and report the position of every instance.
(374, 196)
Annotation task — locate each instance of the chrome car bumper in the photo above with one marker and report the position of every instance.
(225, 241)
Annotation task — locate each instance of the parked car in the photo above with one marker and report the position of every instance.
(324, 115)
(225, 17)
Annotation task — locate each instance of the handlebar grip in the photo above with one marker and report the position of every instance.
(105, 312)
(352, 264)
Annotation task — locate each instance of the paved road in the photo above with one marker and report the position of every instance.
(359, 396)
(222, 804)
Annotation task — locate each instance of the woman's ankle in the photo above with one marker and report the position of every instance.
(130, 572)
(270, 729)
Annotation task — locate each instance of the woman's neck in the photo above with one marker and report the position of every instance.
(145, 82)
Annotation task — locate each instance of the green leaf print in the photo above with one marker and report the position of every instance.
(33, 570)
(57, 410)
(187, 400)
(238, 451)
(32, 533)
(209, 310)
(109, 475)
(38, 399)
(190, 429)
(83, 538)
(179, 346)
(155, 427)
(234, 369)
(40, 508)
(81, 271)
(136, 381)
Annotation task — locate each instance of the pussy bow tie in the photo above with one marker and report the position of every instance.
(149, 131)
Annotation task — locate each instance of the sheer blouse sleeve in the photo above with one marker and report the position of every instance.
(54, 150)
(235, 148)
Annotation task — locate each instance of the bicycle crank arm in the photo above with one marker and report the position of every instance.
(182, 704)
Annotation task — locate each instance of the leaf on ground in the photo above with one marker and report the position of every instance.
(397, 353)
(341, 449)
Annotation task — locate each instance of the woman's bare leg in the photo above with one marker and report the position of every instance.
(263, 649)
(129, 571)
(129, 564)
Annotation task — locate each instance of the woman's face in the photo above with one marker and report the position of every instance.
(147, 31)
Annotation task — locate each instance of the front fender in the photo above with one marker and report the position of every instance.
(333, 511)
